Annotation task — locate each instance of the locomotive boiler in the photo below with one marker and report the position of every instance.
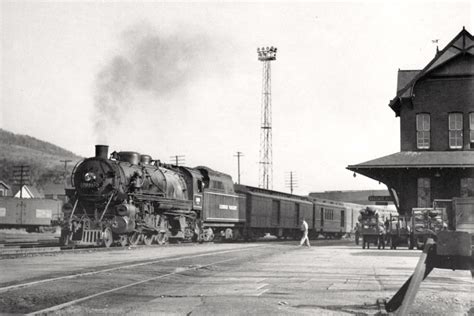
(131, 198)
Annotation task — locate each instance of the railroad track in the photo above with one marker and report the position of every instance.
(52, 294)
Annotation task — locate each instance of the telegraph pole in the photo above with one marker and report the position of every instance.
(291, 181)
(266, 55)
(177, 160)
(21, 174)
(238, 155)
(65, 170)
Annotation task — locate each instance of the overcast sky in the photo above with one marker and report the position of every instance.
(167, 78)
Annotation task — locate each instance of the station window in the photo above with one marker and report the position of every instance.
(471, 129)
(467, 187)
(423, 131)
(455, 130)
(424, 192)
(2, 192)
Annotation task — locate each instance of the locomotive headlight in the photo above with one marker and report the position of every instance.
(89, 176)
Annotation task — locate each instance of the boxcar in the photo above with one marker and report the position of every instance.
(275, 213)
(29, 213)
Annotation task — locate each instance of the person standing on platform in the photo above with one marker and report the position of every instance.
(304, 229)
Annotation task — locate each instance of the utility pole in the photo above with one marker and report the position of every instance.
(177, 160)
(65, 170)
(266, 55)
(291, 181)
(238, 155)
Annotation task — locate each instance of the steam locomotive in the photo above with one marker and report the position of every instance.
(129, 198)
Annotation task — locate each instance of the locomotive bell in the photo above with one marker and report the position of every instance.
(101, 151)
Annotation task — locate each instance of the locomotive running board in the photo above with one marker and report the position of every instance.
(165, 202)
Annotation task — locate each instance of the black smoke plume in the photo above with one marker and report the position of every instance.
(150, 62)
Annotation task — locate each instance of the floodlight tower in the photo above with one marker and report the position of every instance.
(266, 55)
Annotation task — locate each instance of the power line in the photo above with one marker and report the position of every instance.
(291, 181)
(238, 155)
(21, 175)
(177, 160)
(65, 169)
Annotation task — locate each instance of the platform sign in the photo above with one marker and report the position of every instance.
(380, 198)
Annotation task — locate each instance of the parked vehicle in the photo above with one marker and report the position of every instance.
(425, 223)
(371, 228)
(399, 232)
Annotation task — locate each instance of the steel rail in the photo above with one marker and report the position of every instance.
(82, 299)
(28, 284)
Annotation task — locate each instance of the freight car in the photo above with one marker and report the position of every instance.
(275, 213)
(29, 214)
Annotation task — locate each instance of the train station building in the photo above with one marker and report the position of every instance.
(436, 110)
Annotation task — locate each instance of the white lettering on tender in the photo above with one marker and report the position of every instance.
(223, 207)
(43, 213)
(233, 207)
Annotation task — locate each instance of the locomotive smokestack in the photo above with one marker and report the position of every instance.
(101, 151)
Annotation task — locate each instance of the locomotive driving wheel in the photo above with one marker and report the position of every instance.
(148, 239)
(135, 238)
(161, 238)
(123, 240)
(107, 237)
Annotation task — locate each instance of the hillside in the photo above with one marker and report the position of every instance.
(43, 158)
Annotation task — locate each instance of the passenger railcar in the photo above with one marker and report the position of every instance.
(334, 219)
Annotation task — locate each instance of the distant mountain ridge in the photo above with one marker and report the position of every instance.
(43, 158)
(9, 138)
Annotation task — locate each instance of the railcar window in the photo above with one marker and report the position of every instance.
(297, 213)
(329, 214)
(218, 185)
(199, 186)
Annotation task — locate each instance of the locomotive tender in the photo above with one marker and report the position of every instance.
(130, 198)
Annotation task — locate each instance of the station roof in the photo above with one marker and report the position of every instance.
(462, 44)
(420, 159)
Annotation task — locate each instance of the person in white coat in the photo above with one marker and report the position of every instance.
(304, 229)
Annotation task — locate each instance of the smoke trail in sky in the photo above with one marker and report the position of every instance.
(161, 65)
